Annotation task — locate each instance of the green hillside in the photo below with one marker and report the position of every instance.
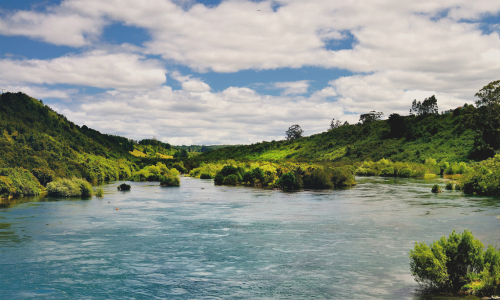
(450, 137)
(35, 138)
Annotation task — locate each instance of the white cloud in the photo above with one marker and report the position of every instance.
(189, 84)
(402, 50)
(40, 92)
(101, 69)
(293, 87)
(233, 116)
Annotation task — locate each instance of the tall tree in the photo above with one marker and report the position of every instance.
(370, 117)
(335, 124)
(294, 132)
(427, 107)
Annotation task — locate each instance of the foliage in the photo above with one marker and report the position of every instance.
(400, 139)
(287, 181)
(231, 179)
(17, 182)
(482, 178)
(449, 186)
(99, 192)
(335, 124)
(124, 187)
(294, 132)
(218, 179)
(170, 180)
(205, 176)
(157, 172)
(74, 187)
(447, 262)
(370, 117)
(436, 189)
(427, 107)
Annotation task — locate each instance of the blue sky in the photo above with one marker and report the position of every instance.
(234, 72)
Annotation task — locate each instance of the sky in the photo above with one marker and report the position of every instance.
(238, 71)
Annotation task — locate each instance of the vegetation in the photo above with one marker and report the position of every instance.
(294, 132)
(73, 187)
(124, 187)
(99, 192)
(457, 263)
(18, 182)
(277, 175)
(482, 178)
(436, 189)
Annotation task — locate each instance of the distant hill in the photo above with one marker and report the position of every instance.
(449, 137)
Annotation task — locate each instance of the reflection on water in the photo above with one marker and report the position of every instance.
(205, 241)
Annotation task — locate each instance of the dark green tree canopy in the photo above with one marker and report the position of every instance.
(427, 107)
(294, 132)
(489, 94)
(370, 117)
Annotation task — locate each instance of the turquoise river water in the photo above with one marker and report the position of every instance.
(201, 241)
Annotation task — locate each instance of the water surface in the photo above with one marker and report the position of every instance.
(201, 241)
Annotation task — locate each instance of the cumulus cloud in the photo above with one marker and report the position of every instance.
(189, 84)
(232, 116)
(97, 68)
(293, 87)
(400, 51)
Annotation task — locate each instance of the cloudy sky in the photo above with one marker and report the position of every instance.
(238, 71)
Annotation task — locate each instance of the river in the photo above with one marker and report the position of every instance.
(201, 241)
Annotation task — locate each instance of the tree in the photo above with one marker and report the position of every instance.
(294, 132)
(489, 94)
(370, 117)
(397, 124)
(487, 121)
(335, 124)
(425, 108)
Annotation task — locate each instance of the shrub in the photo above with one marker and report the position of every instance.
(228, 170)
(205, 176)
(99, 192)
(387, 172)
(219, 178)
(70, 188)
(169, 180)
(449, 186)
(448, 262)
(124, 187)
(230, 180)
(18, 181)
(286, 181)
(317, 179)
(436, 189)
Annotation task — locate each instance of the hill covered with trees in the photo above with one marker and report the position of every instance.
(466, 133)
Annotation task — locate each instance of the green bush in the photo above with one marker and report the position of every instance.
(230, 180)
(124, 187)
(205, 176)
(99, 192)
(17, 182)
(219, 178)
(436, 189)
(448, 262)
(388, 172)
(170, 180)
(287, 181)
(74, 187)
(229, 170)
(317, 179)
(449, 186)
